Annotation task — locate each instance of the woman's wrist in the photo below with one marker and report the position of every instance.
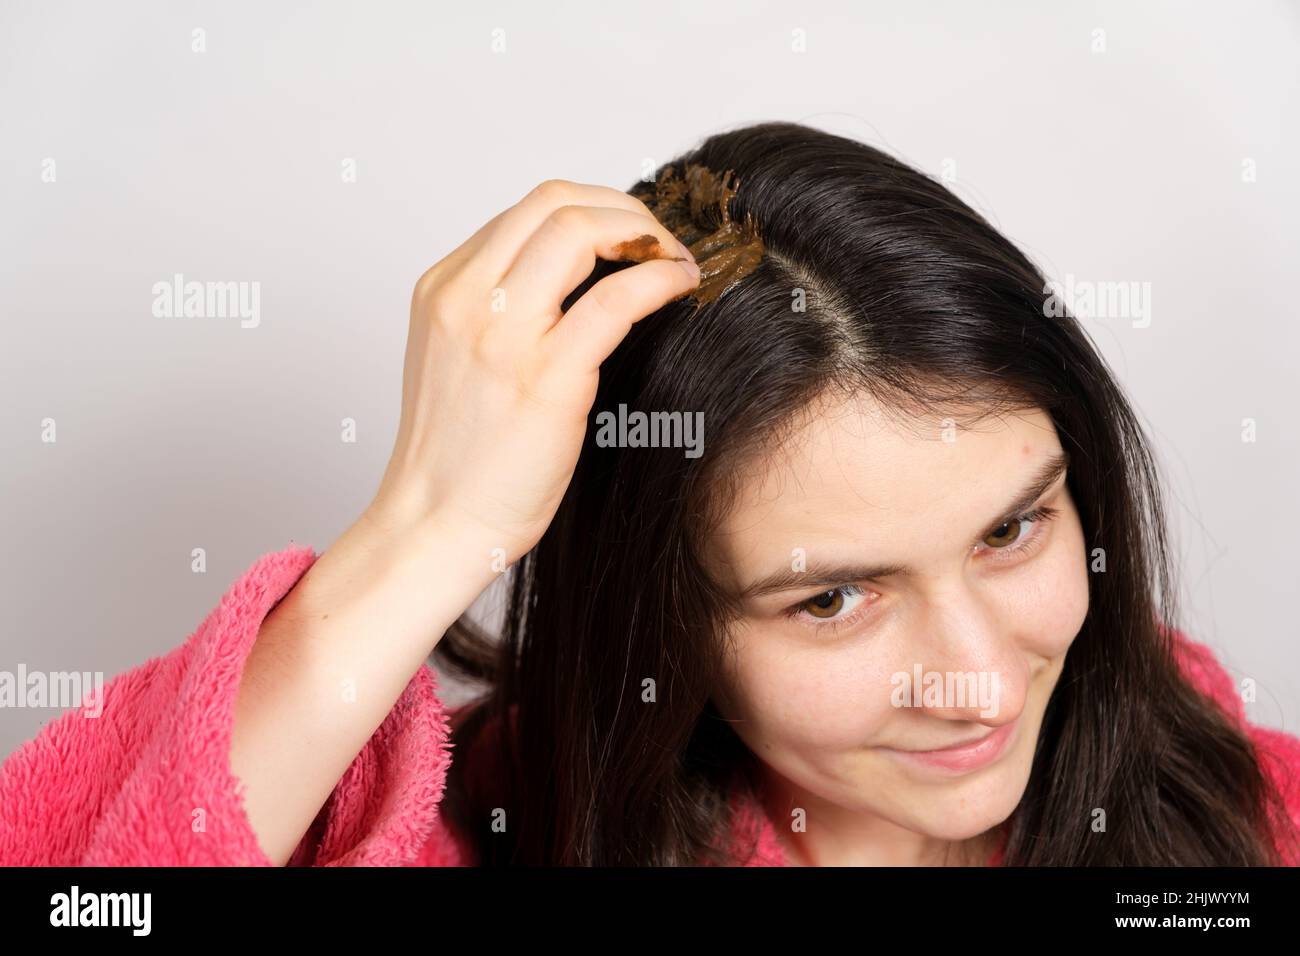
(434, 568)
(406, 582)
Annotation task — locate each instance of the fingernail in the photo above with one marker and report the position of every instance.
(689, 266)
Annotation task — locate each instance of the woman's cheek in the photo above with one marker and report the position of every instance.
(812, 697)
(1050, 603)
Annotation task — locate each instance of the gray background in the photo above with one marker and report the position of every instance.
(225, 165)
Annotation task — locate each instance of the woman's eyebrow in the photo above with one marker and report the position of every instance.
(784, 579)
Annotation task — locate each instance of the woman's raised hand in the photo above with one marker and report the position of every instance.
(498, 383)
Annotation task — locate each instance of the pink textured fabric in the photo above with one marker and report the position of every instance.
(148, 782)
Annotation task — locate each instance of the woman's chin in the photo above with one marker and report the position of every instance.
(962, 812)
(966, 823)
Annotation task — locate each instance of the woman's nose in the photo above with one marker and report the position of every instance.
(966, 664)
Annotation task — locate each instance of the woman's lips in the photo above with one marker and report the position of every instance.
(963, 758)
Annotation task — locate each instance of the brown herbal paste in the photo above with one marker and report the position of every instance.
(696, 209)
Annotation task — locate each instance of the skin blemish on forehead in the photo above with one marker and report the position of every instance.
(696, 209)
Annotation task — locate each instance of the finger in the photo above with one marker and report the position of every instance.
(601, 318)
(562, 253)
(489, 253)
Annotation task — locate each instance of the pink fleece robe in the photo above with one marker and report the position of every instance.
(148, 782)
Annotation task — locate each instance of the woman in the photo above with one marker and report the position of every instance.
(872, 579)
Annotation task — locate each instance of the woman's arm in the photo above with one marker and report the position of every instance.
(332, 659)
(498, 383)
(295, 702)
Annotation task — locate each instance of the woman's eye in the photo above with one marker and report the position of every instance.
(833, 604)
(1007, 534)
(1020, 533)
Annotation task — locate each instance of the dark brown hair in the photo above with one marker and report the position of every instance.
(912, 297)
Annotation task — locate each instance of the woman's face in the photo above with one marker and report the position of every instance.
(892, 605)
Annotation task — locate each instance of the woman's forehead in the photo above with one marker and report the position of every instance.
(851, 444)
(851, 471)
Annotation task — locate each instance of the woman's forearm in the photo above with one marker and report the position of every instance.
(332, 659)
